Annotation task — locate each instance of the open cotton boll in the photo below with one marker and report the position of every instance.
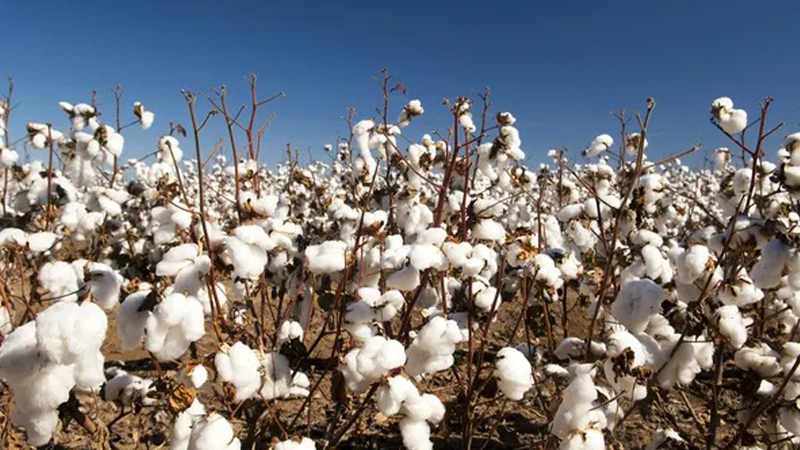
(37, 401)
(742, 292)
(513, 373)
(277, 376)
(366, 365)
(600, 144)
(296, 443)
(573, 347)
(187, 265)
(194, 376)
(618, 343)
(732, 325)
(145, 117)
(328, 257)
(19, 357)
(768, 270)
(104, 283)
(405, 279)
(734, 121)
(760, 359)
(289, 330)
(60, 281)
(432, 349)
(426, 252)
(67, 332)
(416, 434)
(42, 241)
(485, 298)
(248, 249)
(239, 365)
(169, 150)
(636, 303)
(692, 263)
(693, 356)
(576, 417)
(633, 142)
(8, 157)
(131, 321)
(182, 427)
(9, 236)
(665, 438)
(489, 230)
(125, 388)
(374, 306)
(213, 432)
(175, 323)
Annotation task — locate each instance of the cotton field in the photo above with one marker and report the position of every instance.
(411, 288)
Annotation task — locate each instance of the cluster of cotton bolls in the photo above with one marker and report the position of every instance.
(401, 268)
(43, 360)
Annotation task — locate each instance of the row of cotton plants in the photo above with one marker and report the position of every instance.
(432, 279)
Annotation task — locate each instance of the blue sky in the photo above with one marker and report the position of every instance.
(559, 67)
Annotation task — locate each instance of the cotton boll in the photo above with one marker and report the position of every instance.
(416, 434)
(125, 388)
(248, 249)
(277, 376)
(239, 365)
(576, 415)
(734, 121)
(366, 365)
(666, 438)
(432, 349)
(693, 263)
(573, 347)
(742, 292)
(489, 230)
(169, 150)
(145, 117)
(732, 325)
(405, 279)
(620, 342)
(131, 321)
(67, 332)
(730, 120)
(760, 359)
(296, 443)
(194, 375)
(175, 323)
(600, 144)
(486, 298)
(182, 428)
(41, 242)
(15, 236)
(213, 432)
(289, 330)
(328, 257)
(687, 361)
(104, 283)
(59, 280)
(633, 142)
(513, 373)
(391, 396)
(636, 303)
(19, 358)
(768, 270)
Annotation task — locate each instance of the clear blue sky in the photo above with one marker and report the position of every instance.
(560, 67)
